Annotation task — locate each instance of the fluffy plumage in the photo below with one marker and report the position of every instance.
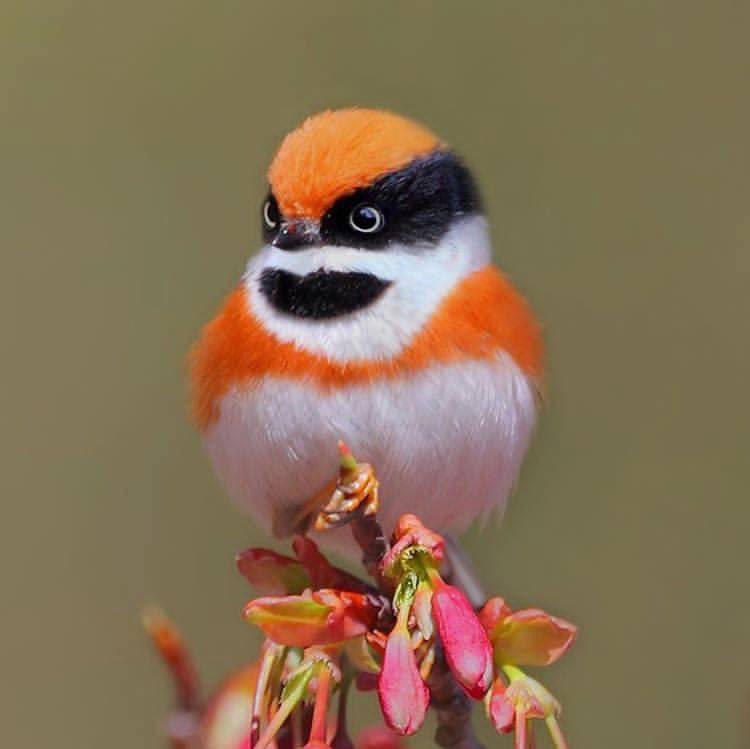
(410, 346)
(447, 442)
(334, 153)
(447, 311)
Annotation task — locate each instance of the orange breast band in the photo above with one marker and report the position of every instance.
(481, 317)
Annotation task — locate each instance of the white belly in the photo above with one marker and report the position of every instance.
(446, 443)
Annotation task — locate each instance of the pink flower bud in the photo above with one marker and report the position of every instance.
(402, 693)
(467, 650)
(500, 709)
(411, 535)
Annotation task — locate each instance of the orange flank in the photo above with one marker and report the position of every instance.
(334, 153)
(482, 316)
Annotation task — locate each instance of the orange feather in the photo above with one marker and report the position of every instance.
(335, 152)
(480, 317)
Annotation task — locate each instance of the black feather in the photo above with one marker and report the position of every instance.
(322, 294)
(419, 203)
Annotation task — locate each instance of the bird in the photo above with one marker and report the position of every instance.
(373, 314)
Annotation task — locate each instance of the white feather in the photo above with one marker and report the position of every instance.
(422, 277)
(447, 443)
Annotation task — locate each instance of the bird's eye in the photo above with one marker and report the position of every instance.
(270, 214)
(366, 218)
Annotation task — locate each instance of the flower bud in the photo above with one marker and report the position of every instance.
(500, 709)
(467, 650)
(402, 693)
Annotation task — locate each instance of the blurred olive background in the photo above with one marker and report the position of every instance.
(611, 140)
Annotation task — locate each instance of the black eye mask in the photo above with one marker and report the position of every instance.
(418, 204)
(322, 294)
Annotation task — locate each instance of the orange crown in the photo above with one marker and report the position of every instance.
(336, 152)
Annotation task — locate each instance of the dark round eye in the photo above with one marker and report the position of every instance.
(270, 214)
(366, 218)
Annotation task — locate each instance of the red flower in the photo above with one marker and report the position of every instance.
(402, 693)
(500, 709)
(511, 707)
(411, 537)
(467, 650)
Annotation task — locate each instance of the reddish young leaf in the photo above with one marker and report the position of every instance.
(272, 574)
(321, 572)
(319, 618)
(174, 653)
(529, 637)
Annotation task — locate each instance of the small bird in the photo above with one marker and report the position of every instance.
(371, 314)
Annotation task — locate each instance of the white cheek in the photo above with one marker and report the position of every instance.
(421, 278)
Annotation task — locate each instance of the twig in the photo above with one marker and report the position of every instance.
(452, 709)
(371, 540)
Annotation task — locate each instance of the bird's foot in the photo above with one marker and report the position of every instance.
(289, 520)
(356, 494)
(353, 493)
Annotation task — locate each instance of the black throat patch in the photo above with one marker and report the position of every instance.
(322, 294)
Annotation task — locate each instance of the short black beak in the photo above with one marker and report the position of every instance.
(297, 235)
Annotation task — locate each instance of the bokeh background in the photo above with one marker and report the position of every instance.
(611, 140)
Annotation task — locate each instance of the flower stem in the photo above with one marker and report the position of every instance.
(320, 711)
(340, 738)
(370, 538)
(261, 685)
(520, 729)
(285, 709)
(452, 708)
(556, 732)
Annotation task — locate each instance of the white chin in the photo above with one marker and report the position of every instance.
(421, 277)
